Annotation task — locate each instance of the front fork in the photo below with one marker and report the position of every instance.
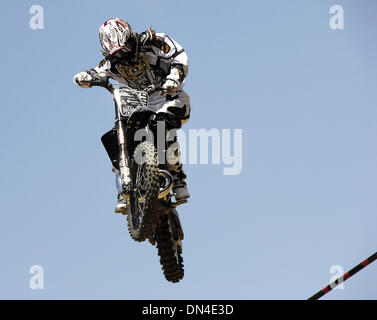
(124, 185)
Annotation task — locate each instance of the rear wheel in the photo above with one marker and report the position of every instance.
(144, 172)
(169, 250)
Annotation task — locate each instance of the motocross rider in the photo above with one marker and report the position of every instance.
(140, 61)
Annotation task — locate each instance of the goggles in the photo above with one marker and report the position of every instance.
(125, 51)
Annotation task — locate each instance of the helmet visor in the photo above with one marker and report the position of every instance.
(124, 52)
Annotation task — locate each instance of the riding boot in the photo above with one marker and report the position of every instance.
(121, 206)
(174, 165)
(180, 186)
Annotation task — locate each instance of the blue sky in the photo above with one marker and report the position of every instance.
(304, 96)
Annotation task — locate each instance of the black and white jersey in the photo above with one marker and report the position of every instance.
(159, 58)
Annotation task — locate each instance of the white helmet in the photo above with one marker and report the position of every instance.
(114, 36)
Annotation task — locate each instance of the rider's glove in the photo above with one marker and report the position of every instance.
(170, 87)
(150, 89)
(83, 79)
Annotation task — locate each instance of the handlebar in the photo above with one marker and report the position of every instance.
(100, 82)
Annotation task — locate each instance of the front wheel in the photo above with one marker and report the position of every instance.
(145, 181)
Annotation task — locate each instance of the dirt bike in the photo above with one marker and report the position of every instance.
(146, 183)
